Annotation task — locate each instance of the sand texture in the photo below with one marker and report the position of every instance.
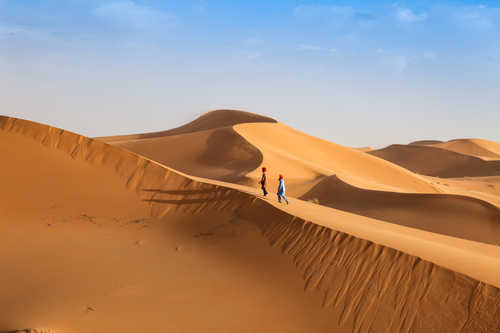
(438, 162)
(104, 238)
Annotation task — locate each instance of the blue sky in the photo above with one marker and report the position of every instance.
(353, 72)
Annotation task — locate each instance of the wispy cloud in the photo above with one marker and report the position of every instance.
(479, 17)
(399, 63)
(407, 15)
(309, 47)
(250, 42)
(339, 14)
(317, 49)
(128, 14)
(22, 32)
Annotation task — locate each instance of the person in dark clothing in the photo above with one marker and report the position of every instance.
(263, 181)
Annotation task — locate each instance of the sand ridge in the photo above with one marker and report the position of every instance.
(296, 153)
(454, 215)
(437, 162)
(370, 287)
(208, 121)
(475, 147)
(219, 153)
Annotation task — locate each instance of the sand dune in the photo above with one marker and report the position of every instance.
(453, 215)
(364, 149)
(299, 156)
(219, 153)
(425, 142)
(437, 162)
(210, 120)
(475, 147)
(483, 188)
(98, 239)
(306, 161)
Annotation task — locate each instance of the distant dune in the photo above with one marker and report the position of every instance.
(300, 157)
(364, 149)
(475, 147)
(97, 238)
(425, 142)
(209, 121)
(453, 215)
(219, 153)
(432, 161)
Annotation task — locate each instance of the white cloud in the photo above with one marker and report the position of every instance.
(399, 63)
(131, 15)
(334, 14)
(407, 15)
(479, 17)
(317, 49)
(309, 47)
(252, 42)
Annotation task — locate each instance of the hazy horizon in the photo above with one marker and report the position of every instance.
(351, 72)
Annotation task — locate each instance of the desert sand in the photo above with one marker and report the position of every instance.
(438, 162)
(169, 232)
(475, 147)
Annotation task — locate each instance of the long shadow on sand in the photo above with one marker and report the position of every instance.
(204, 196)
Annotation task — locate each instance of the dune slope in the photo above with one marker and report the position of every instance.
(121, 243)
(474, 147)
(210, 120)
(235, 154)
(301, 157)
(424, 142)
(217, 154)
(453, 215)
(242, 139)
(437, 162)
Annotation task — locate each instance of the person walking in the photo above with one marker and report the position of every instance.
(281, 190)
(263, 181)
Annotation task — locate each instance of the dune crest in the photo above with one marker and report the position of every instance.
(437, 162)
(217, 154)
(369, 287)
(424, 142)
(292, 152)
(208, 121)
(447, 214)
(474, 147)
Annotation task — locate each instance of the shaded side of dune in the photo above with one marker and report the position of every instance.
(437, 162)
(448, 214)
(424, 142)
(220, 154)
(377, 288)
(210, 120)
